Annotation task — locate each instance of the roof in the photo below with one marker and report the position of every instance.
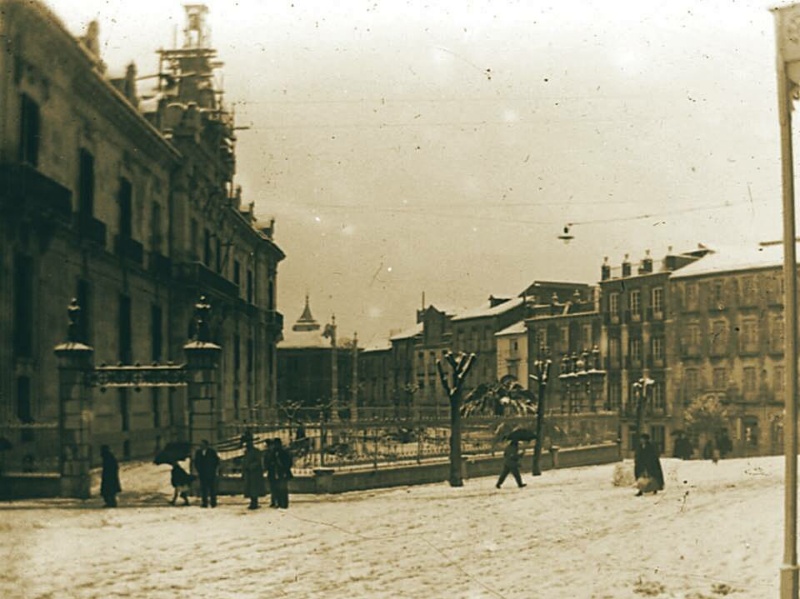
(408, 333)
(304, 340)
(734, 259)
(518, 328)
(486, 309)
(376, 346)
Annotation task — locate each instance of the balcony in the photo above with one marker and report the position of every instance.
(274, 321)
(653, 314)
(206, 280)
(129, 249)
(25, 189)
(90, 228)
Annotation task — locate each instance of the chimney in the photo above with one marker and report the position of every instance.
(647, 264)
(626, 267)
(605, 270)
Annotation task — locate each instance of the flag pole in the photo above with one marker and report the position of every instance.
(783, 23)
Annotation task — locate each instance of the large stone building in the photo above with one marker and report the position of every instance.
(729, 341)
(638, 315)
(127, 206)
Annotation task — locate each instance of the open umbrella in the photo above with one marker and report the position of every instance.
(174, 451)
(521, 434)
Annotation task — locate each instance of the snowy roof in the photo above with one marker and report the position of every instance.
(734, 259)
(518, 328)
(380, 345)
(303, 339)
(408, 333)
(486, 309)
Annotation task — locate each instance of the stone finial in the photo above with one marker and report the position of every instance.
(74, 316)
(202, 309)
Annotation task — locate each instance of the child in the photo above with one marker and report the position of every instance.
(181, 480)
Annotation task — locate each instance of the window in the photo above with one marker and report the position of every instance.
(271, 293)
(86, 184)
(659, 401)
(29, 135)
(156, 332)
(613, 304)
(156, 406)
(615, 395)
(155, 227)
(564, 340)
(657, 300)
(250, 289)
(632, 441)
(194, 229)
(218, 254)
(636, 349)
(614, 349)
(778, 378)
(657, 436)
(250, 356)
(693, 335)
(717, 293)
(23, 306)
(749, 383)
(124, 410)
(588, 342)
(125, 330)
(749, 335)
(748, 290)
(24, 408)
(636, 302)
(719, 337)
(206, 247)
(125, 209)
(720, 378)
(237, 273)
(776, 333)
(691, 296)
(237, 355)
(657, 348)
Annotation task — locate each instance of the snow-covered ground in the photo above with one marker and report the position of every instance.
(715, 530)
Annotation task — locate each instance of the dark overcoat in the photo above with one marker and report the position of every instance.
(646, 462)
(109, 480)
(253, 473)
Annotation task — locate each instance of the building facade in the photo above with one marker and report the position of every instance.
(98, 192)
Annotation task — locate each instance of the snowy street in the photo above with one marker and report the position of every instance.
(715, 530)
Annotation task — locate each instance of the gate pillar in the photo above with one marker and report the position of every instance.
(75, 364)
(202, 366)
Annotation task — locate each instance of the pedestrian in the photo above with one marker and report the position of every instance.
(206, 462)
(724, 444)
(252, 473)
(512, 455)
(647, 467)
(279, 473)
(181, 483)
(109, 480)
(711, 451)
(683, 447)
(268, 459)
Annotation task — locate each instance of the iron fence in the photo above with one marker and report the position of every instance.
(382, 438)
(30, 448)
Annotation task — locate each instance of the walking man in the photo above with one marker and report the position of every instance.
(109, 483)
(206, 461)
(252, 472)
(511, 460)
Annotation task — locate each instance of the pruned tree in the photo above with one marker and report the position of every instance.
(453, 372)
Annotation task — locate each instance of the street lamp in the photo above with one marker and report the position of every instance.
(541, 374)
(640, 389)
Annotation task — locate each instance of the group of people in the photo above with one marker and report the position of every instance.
(276, 461)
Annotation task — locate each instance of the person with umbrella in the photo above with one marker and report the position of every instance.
(511, 460)
(109, 478)
(181, 483)
(206, 462)
(252, 472)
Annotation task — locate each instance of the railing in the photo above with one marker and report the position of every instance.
(380, 441)
(205, 278)
(90, 228)
(30, 448)
(129, 248)
(23, 188)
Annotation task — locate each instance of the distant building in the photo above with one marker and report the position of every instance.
(638, 311)
(729, 340)
(375, 375)
(305, 365)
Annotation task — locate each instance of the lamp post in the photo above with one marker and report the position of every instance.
(787, 40)
(640, 389)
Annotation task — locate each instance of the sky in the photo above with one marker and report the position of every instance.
(440, 148)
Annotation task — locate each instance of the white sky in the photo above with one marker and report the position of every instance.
(441, 146)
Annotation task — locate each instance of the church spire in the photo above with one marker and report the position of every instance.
(306, 322)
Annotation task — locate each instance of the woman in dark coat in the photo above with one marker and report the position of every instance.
(109, 481)
(647, 464)
(279, 472)
(253, 473)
